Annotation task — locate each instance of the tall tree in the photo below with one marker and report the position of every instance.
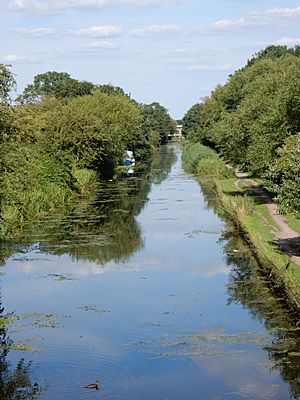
(57, 84)
(155, 117)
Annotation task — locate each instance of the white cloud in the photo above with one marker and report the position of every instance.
(50, 6)
(156, 30)
(92, 49)
(288, 41)
(101, 44)
(38, 32)
(269, 18)
(206, 67)
(13, 58)
(96, 31)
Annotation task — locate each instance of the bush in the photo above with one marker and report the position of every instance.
(32, 182)
(85, 179)
(213, 167)
(194, 152)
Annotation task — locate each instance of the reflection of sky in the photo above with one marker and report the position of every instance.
(173, 286)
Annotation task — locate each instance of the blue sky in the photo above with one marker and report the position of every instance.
(171, 51)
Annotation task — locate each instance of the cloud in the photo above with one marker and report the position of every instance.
(13, 58)
(156, 30)
(288, 41)
(269, 18)
(96, 31)
(92, 49)
(101, 44)
(39, 32)
(52, 6)
(206, 67)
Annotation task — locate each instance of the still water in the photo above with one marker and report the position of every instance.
(147, 289)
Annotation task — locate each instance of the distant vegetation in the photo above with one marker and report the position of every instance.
(253, 121)
(61, 134)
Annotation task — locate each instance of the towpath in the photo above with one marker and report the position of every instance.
(287, 239)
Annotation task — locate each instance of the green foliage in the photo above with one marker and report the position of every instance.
(155, 117)
(249, 119)
(110, 89)
(190, 120)
(56, 84)
(283, 178)
(213, 167)
(194, 152)
(32, 182)
(85, 180)
(7, 83)
(61, 135)
(272, 52)
(92, 130)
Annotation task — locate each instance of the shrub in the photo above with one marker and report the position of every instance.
(194, 152)
(85, 179)
(213, 167)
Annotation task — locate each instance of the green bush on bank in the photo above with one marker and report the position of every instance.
(32, 182)
(204, 161)
(61, 137)
(194, 152)
(85, 180)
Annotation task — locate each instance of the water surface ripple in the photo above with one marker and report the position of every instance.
(145, 288)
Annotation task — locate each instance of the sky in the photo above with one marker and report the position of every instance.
(171, 51)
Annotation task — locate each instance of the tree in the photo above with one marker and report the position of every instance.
(110, 89)
(283, 178)
(155, 117)
(56, 84)
(191, 120)
(92, 130)
(271, 52)
(7, 83)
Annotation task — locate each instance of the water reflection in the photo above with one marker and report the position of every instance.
(248, 287)
(15, 383)
(103, 228)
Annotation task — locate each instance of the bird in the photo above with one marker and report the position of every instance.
(95, 385)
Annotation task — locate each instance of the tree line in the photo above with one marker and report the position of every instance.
(253, 121)
(60, 134)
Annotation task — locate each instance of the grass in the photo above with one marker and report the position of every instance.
(194, 152)
(204, 161)
(259, 227)
(250, 214)
(294, 222)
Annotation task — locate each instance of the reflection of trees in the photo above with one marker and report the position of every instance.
(15, 384)
(208, 188)
(162, 163)
(104, 229)
(250, 288)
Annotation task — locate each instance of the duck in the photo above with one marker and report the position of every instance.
(95, 385)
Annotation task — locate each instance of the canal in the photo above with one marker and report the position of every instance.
(147, 289)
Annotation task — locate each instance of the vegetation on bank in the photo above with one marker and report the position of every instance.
(249, 213)
(60, 135)
(253, 124)
(253, 121)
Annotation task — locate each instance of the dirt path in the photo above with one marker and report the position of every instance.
(287, 239)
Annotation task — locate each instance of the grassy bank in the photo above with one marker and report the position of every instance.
(249, 213)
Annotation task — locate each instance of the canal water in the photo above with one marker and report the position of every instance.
(147, 289)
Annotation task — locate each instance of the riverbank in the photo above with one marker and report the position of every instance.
(249, 210)
(273, 241)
